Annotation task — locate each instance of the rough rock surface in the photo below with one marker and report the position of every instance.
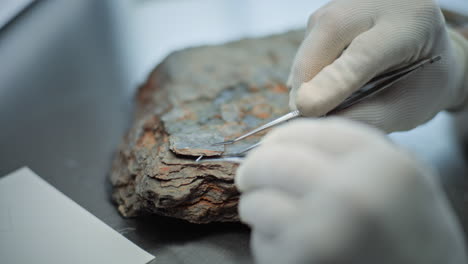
(194, 98)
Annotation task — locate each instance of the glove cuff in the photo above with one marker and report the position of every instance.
(460, 45)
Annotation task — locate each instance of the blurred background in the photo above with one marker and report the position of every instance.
(68, 73)
(148, 30)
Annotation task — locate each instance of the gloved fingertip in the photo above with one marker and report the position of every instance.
(267, 210)
(239, 179)
(292, 103)
(310, 102)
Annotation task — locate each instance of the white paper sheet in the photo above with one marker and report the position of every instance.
(40, 225)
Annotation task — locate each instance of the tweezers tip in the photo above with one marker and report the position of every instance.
(223, 143)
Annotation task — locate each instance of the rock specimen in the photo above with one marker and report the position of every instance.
(194, 98)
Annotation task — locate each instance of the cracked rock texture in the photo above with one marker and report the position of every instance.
(196, 97)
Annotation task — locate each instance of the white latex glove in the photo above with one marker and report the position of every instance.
(379, 35)
(335, 191)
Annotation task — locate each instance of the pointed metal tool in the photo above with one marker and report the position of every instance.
(373, 87)
(275, 122)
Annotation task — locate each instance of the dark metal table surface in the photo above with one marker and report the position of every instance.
(64, 106)
(64, 109)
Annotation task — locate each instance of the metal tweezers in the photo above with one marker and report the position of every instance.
(372, 88)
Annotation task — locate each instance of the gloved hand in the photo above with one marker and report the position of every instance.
(348, 42)
(335, 191)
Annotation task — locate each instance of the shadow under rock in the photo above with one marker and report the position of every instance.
(161, 230)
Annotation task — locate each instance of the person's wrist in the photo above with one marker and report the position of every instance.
(460, 45)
